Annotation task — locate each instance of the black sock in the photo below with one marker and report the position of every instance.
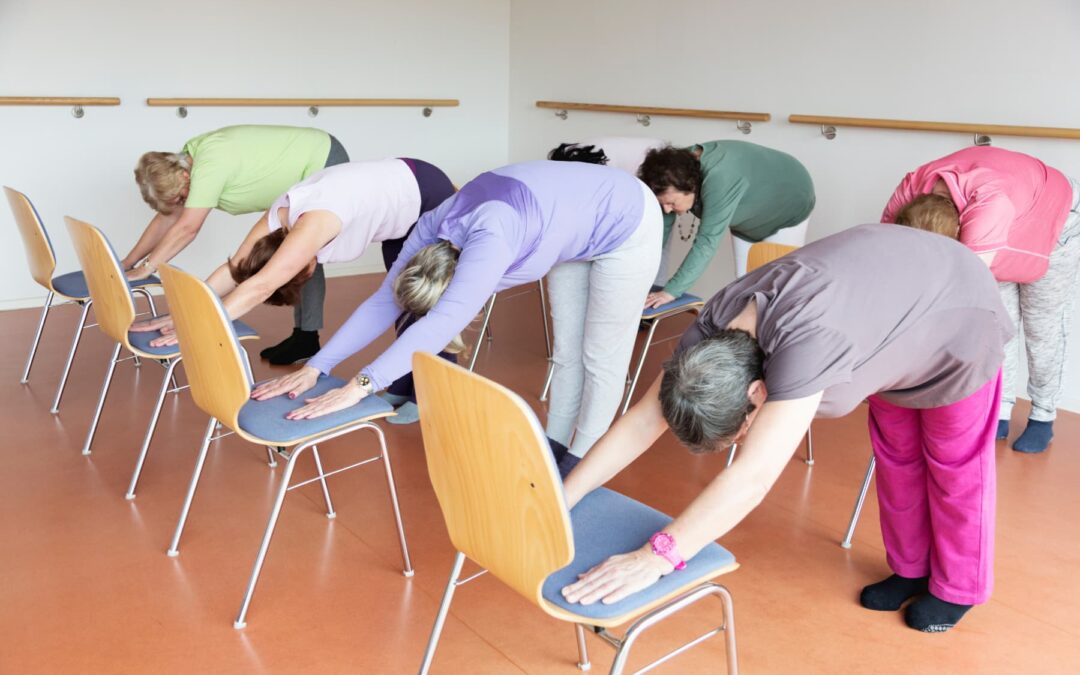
(269, 351)
(304, 345)
(933, 615)
(890, 594)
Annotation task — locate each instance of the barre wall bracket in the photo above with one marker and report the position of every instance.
(828, 131)
(77, 112)
(181, 112)
(644, 120)
(562, 114)
(743, 126)
(983, 139)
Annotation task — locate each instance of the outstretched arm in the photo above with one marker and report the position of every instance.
(773, 438)
(177, 237)
(150, 238)
(719, 202)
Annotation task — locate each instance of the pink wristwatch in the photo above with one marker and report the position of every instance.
(663, 545)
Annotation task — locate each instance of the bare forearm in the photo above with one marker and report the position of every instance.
(245, 298)
(150, 238)
(221, 281)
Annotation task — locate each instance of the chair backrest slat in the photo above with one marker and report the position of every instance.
(493, 474)
(765, 252)
(212, 361)
(114, 307)
(39, 251)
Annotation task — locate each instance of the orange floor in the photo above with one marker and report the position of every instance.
(85, 585)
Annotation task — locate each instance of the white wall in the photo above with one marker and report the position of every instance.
(271, 48)
(993, 61)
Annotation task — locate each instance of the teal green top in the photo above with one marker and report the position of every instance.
(757, 191)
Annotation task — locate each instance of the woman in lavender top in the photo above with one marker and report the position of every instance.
(593, 230)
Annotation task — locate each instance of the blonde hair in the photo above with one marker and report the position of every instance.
(933, 213)
(162, 180)
(424, 280)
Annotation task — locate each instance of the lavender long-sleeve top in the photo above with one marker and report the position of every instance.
(512, 225)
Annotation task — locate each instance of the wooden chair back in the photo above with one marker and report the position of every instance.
(36, 244)
(765, 252)
(113, 305)
(215, 369)
(493, 474)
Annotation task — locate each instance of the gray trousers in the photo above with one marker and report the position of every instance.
(308, 313)
(595, 308)
(1044, 309)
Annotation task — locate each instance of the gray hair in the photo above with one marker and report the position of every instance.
(703, 393)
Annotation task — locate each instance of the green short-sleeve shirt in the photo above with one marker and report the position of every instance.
(243, 169)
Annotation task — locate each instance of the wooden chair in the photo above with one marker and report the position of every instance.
(71, 287)
(115, 311)
(503, 504)
(221, 383)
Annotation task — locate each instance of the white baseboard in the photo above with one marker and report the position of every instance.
(336, 270)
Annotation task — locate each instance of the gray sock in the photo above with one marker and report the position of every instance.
(407, 413)
(393, 399)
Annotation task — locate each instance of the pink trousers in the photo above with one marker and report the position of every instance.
(937, 491)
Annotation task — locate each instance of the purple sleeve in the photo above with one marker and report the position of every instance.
(377, 313)
(485, 257)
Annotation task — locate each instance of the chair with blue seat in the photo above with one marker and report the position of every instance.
(652, 316)
(71, 287)
(504, 508)
(221, 384)
(115, 310)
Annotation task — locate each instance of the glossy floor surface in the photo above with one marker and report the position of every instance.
(85, 585)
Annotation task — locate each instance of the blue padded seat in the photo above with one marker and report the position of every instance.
(141, 340)
(73, 284)
(681, 301)
(607, 523)
(266, 419)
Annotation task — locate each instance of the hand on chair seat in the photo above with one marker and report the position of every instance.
(293, 384)
(658, 298)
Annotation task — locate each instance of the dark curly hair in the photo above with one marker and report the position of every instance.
(264, 249)
(572, 152)
(669, 167)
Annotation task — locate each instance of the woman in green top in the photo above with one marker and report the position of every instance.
(760, 193)
(240, 169)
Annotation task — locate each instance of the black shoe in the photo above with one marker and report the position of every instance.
(269, 351)
(303, 345)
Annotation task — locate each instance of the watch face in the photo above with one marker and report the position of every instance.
(662, 542)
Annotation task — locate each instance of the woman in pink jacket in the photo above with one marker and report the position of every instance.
(1022, 218)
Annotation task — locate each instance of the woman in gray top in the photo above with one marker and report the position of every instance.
(910, 321)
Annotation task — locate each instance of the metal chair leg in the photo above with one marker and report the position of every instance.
(271, 525)
(544, 316)
(809, 446)
(640, 365)
(392, 488)
(635, 630)
(186, 508)
(488, 307)
(271, 460)
(547, 380)
(440, 618)
(71, 356)
(322, 480)
(582, 649)
(846, 543)
(151, 427)
(37, 337)
(101, 399)
(149, 299)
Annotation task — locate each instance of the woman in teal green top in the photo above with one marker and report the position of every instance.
(760, 193)
(240, 169)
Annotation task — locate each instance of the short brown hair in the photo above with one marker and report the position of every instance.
(933, 213)
(261, 252)
(669, 167)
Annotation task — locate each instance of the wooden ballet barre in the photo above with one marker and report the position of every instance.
(427, 105)
(830, 122)
(76, 102)
(306, 102)
(644, 113)
(59, 100)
